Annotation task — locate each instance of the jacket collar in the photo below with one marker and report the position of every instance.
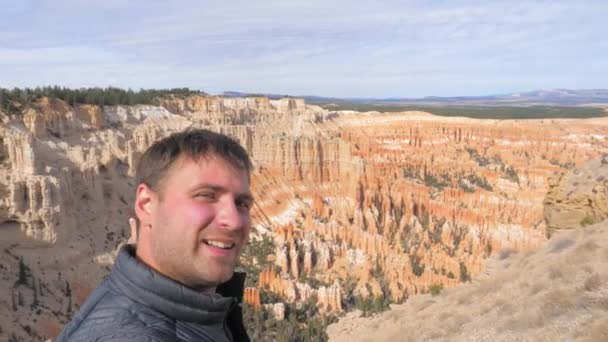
(148, 287)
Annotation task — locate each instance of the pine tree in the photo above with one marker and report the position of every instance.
(35, 301)
(68, 293)
(14, 300)
(22, 277)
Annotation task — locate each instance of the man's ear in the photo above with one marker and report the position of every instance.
(145, 204)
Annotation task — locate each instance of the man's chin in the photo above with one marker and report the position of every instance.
(217, 277)
(214, 270)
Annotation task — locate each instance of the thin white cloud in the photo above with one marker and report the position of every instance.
(339, 48)
(61, 55)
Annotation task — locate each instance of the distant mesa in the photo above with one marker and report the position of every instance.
(554, 97)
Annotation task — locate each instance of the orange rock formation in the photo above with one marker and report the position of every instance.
(364, 204)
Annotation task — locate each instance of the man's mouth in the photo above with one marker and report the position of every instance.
(219, 244)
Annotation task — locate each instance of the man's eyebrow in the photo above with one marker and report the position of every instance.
(205, 186)
(217, 188)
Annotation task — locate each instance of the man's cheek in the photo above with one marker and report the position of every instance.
(197, 215)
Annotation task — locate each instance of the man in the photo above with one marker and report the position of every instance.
(192, 205)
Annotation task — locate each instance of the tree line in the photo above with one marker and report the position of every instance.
(12, 101)
(476, 112)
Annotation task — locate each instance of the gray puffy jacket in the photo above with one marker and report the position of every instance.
(135, 303)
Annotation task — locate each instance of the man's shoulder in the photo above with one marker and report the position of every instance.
(126, 336)
(111, 316)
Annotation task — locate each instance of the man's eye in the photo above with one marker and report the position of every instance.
(206, 195)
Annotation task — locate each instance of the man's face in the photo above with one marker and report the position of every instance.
(200, 221)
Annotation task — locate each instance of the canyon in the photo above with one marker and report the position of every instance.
(353, 210)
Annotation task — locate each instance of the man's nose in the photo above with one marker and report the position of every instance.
(229, 216)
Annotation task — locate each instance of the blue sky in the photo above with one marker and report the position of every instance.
(331, 48)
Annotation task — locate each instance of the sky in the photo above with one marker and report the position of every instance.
(334, 48)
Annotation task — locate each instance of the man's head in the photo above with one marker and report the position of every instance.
(192, 203)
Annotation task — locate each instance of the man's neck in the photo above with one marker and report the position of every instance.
(210, 290)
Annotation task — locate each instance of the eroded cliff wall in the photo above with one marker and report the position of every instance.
(350, 206)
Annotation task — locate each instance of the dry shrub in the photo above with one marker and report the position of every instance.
(555, 273)
(588, 246)
(429, 302)
(492, 285)
(393, 315)
(436, 333)
(505, 253)
(403, 337)
(593, 283)
(546, 335)
(596, 230)
(558, 302)
(444, 316)
(526, 320)
(435, 289)
(454, 325)
(523, 262)
(529, 253)
(463, 298)
(559, 245)
(587, 301)
(423, 305)
(374, 325)
(507, 309)
(499, 305)
(537, 287)
(500, 301)
(424, 315)
(598, 331)
(602, 303)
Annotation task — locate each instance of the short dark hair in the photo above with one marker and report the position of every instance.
(158, 159)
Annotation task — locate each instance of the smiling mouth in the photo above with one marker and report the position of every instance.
(219, 244)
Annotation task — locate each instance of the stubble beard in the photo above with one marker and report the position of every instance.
(172, 262)
(192, 269)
